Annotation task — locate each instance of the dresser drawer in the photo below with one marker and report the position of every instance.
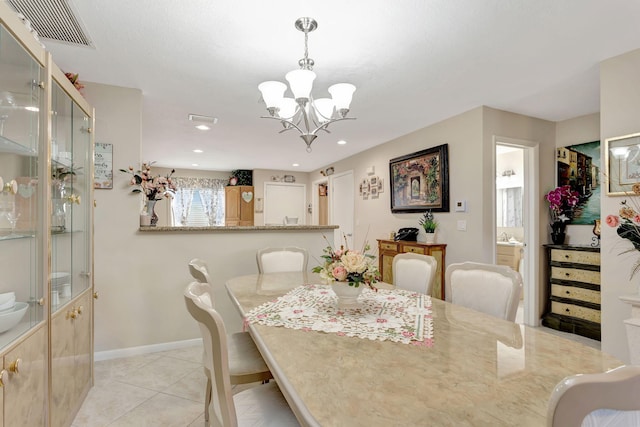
(577, 257)
(389, 246)
(576, 311)
(505, 259)
(572, 292)
(413, 249)
(576, 275)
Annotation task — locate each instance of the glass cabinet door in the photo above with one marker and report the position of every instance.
(70, 196)
(21, 104)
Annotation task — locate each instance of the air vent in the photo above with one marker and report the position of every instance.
(54, 20)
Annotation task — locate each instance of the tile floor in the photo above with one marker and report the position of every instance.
(163, 389)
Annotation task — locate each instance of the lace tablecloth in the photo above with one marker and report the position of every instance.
(394, 315)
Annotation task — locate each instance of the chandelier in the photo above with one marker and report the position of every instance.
(302, 112)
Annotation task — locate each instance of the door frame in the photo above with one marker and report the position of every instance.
(332, 203)
(531, 205)
(315, 200)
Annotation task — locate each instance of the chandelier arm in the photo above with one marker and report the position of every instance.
(324, 126)
(285, 121)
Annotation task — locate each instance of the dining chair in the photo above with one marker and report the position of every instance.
(261, 403)
(606, 399)
(492, 289)
(277, 260)
(414, 272)
(199, 270)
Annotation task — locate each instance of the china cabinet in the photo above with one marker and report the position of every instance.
(387, 249)
(46, 250)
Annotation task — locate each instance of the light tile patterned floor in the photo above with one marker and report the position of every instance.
(164, 389)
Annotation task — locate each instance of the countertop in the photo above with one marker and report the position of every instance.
(239, 228)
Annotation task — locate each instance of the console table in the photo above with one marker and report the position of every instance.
(574, 290)
(387, 249)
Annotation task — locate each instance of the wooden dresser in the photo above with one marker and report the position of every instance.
(574, 290)
(387, 249)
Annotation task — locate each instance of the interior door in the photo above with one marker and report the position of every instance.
(341, 207)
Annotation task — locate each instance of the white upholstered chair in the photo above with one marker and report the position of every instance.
(608, 399)
(256, 406)
(414, 272)
(199, 270)
(492, 289)
(277, 260)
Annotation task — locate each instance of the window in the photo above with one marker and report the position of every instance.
(198, 202)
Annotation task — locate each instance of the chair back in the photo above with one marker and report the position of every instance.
(199, 270)
(277, 260)
(492, 289)
(414, 272)
(216, 350)
(607, 399)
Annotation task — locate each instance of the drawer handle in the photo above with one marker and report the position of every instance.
(566, 274)
(568, 293)
(567, 310)
(566, 256)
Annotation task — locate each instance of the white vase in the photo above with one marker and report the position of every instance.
(347, 295)
(431, 237)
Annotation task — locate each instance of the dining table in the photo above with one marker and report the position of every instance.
(431, 363)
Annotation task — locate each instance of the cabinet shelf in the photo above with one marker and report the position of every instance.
(18, 235)
(11, 147)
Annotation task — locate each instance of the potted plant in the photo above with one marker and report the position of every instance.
(429, 224)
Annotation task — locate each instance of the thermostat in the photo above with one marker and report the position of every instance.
(461, 206)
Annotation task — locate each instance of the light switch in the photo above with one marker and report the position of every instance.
(462, 225)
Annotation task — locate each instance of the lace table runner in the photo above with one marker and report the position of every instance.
(394, 315)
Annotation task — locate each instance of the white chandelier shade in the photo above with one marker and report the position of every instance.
(303, 112)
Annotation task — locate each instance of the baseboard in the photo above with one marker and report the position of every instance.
(145, 349)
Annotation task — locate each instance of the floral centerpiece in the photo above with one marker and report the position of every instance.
(153, 188)
(562, 200)
(348, 266)
(627, 224)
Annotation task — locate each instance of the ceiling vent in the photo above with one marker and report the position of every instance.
(54, 20)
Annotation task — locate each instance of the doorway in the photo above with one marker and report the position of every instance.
(516, 164)
(320, 202)
(341, 207)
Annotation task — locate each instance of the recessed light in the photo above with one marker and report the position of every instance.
(35, 109)
(203, 127)
(198, 151)
(194, 164)
(295, 165)
(342, 142)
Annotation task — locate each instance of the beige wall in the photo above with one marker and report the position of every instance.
(619, 111)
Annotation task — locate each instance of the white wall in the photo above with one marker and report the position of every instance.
(619, 111)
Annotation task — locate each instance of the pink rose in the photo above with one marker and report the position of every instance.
(612, 220)
(339, 273)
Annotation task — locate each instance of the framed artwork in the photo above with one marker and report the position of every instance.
(420, 181)
(578, 166)
(364, 187)
(623, 164)
(103, 166)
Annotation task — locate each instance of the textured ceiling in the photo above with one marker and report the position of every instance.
(414, 63)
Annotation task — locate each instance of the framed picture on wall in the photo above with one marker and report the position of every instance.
(623, 164)
(420, 181)
(103, 166)
(578, 166)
